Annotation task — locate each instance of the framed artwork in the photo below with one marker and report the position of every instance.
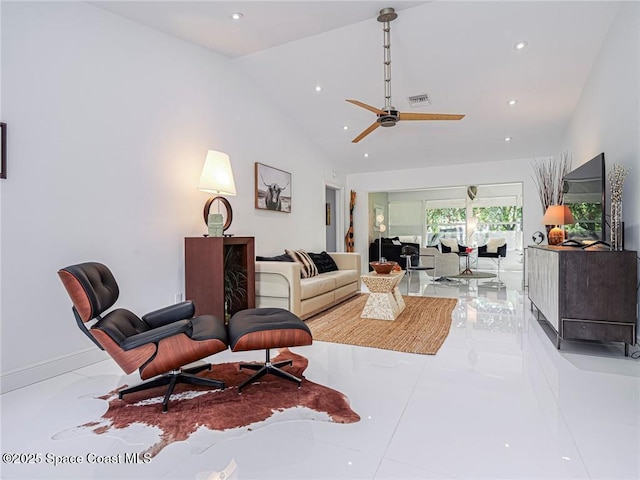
(273, 189)
(3, 150)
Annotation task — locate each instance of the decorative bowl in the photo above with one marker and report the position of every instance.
(383, 267)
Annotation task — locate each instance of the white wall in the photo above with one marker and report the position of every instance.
(607, 117)
(109, 126)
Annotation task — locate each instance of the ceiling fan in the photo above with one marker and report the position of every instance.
(388, 116)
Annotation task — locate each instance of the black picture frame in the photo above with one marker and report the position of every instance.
(273, 189)
(3, 150)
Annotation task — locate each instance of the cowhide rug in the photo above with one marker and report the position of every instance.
(192, 407)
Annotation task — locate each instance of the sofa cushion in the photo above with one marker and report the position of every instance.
(278, 258)
(343, 277)
(314, 286)
(311, 306)
(308, 269)
(390, 241)
(451, 244)
(494, 243)
(323, 262)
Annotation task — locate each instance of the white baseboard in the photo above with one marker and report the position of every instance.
(37, 372)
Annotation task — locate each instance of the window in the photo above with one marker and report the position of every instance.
(447, 223)
(494, 222)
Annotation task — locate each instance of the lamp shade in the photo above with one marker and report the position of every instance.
(217, 176)
(558, 215)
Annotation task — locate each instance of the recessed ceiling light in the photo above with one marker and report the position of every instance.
(513, 102)
(345, 127)
(237, 16)
(507, 139)
(520, 45)
(318, 88)
(366, 155)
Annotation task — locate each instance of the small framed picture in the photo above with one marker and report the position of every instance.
(273, 189)
(3, 150)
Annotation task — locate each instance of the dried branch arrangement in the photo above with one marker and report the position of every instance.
(547, 176)
(617, 174)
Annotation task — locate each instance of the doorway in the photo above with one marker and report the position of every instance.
(333, 218)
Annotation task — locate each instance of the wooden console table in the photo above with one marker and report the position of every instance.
(585, 294)
(204, 272)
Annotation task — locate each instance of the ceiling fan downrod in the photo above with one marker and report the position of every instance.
(386, 16)
(388, 116)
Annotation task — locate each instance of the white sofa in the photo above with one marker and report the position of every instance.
(278, 284)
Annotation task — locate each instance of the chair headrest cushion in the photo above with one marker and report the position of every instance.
(92, 288)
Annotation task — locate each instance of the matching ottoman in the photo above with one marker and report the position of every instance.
(266, 328)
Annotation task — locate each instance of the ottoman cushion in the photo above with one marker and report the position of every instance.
(264, 328)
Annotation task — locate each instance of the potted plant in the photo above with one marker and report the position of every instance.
(235, 281)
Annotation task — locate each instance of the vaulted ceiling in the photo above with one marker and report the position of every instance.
(461, 54)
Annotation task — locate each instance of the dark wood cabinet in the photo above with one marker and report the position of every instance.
(585, 294)
(204, 272)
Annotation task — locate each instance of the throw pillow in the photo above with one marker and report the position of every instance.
(451, 243)
(308, 269)
(397, 243)
(278, 258)
(323, 262)
(494, 243)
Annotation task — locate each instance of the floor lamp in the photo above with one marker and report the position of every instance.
(381, 228)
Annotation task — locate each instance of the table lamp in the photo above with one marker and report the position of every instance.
(217, 177)
(557, 215)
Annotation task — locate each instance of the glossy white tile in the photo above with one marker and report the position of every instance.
(497, 401)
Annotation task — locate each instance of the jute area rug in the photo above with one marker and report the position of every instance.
(422, 327)
(193, 408)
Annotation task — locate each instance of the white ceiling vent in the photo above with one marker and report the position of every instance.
(419, 100)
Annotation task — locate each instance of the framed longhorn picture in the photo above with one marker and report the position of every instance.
(273, 189)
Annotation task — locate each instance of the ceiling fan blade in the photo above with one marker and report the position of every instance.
(370, 129)
(429, 116)
(368, 107)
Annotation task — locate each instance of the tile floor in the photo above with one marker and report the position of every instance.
(498, 401)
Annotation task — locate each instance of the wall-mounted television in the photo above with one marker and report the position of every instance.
(584, 193)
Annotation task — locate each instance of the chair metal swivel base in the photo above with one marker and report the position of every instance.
(268, 367)
(172, 378)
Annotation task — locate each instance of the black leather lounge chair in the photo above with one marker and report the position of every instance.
(159, 344)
